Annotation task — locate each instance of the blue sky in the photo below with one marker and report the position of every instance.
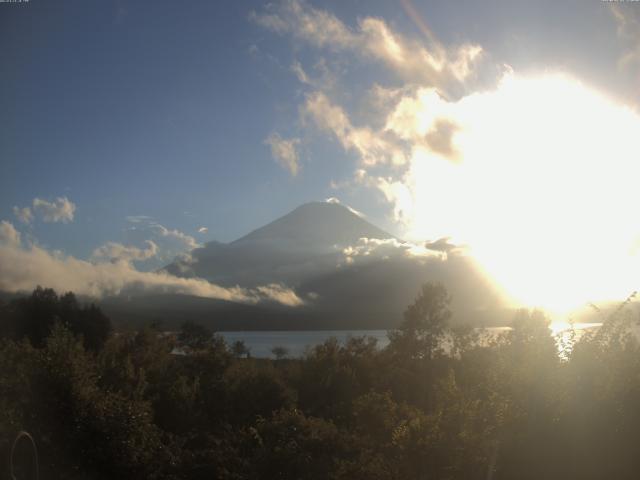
(191, 114)
(158, 109)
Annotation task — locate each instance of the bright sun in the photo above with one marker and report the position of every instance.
(540, 180)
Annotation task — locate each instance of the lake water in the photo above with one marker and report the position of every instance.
(260, 343)
(296, 342)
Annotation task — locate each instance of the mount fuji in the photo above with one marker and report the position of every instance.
(349, 273)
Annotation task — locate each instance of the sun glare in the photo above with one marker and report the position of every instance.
(542, 187)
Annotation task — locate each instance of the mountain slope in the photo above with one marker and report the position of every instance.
(294, 248)
(315, 225)
(346, 282)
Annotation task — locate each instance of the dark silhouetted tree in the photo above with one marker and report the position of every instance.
(35, 316)
(280, 352)
(240, 349)
(194, 336)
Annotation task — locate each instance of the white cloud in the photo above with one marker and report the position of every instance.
(24, 214)
(284, 152)
(187, 240)
(368, 249)
(138, 218)
(60, 210)
(397, 192)
(371, 146)
(321, 78)
(299, 72)
(536, 173)
(9, 235)
(318, 27)
(279, 293)
(25, 268)
(336, 201)
(372, 38)
(628, 22)
(116, 252)
(184, 263)
(170, 243)
(444, 245)
(271, 21)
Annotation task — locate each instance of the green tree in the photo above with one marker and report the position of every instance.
(256, 389)
(425, 323)
(291, 446)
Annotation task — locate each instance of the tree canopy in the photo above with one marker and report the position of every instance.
(437, 403)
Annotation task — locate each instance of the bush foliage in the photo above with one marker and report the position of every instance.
(437, 403)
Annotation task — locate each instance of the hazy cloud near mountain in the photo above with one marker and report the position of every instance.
(444, 245)
(370, 249)
(115, 252)
(25, 267)
(170, 242)
(188, 240)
